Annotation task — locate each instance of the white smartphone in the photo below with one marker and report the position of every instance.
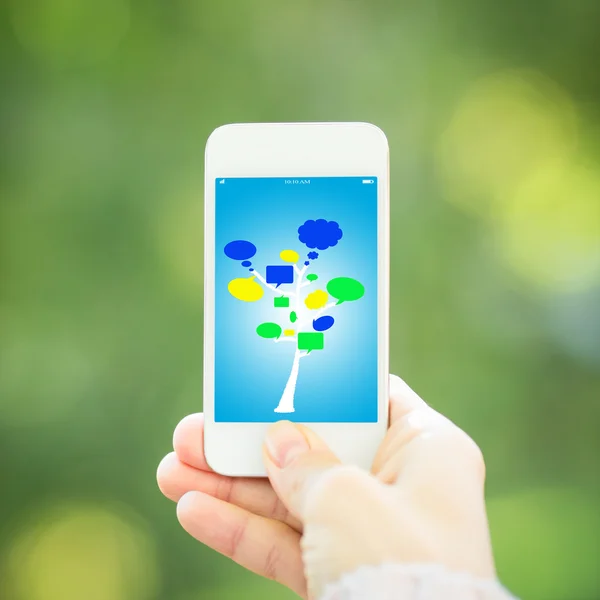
(296, 280)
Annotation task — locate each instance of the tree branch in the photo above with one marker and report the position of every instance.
(300, 273)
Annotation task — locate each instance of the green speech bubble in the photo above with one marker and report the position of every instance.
(281, 302)
(312, 277)
(293, 316)
(345, 289)
(311, 340)
(269, 330)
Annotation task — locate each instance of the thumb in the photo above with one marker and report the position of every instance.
(296, 458)
(347, 515)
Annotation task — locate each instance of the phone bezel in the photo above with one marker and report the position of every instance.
(294, 150)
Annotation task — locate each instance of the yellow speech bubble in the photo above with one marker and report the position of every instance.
(288, 332)
(289, 256)
(245, 289)
(316, 299)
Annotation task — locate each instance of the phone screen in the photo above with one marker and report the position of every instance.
(296, 299)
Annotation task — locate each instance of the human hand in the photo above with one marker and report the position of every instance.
(239, 517)
(421, 503)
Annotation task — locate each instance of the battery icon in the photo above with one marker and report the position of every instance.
(368, 181)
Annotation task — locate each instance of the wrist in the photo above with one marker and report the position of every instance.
(414, 581)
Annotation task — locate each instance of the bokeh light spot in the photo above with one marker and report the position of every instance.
(78, 551)
(549, 230)
(510, 156)
(505, 127)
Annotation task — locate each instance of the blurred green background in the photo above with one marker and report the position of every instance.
(492, 110)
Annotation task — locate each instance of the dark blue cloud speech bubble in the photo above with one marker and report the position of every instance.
(240, 250)
(320, 234)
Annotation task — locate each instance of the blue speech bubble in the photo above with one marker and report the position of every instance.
(279, 274)
(240, 250)
(323, 323)
(320, 234)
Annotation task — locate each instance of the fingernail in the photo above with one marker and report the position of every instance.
(285, 442)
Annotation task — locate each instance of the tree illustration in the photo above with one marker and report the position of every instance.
(303, 310)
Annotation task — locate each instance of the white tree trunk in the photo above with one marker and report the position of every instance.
(286, 404)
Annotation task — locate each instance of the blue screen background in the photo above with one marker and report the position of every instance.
(337, 384)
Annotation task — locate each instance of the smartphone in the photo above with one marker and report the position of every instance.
(296, 284)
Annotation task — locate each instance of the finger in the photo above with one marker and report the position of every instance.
(332, 501)
(176, 478)
(255, 495)
(261, 545)
(403, 399)
(405, 405)
(188, 441)
(441, 454)
(423, 448)
(295, 458)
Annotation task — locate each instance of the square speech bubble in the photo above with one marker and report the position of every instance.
(279, 274)
(311, 340)
(281, 302)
